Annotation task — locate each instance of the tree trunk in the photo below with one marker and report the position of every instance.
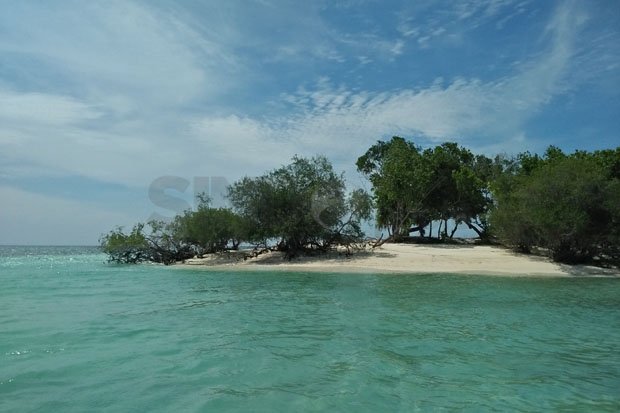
(456, 226)
(476, 230)
(381, 241)
(419, 228)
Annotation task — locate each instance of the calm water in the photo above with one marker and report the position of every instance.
(79, 335)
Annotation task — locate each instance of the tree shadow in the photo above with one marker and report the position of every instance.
(447, 246)
(589, 271)
(362, 255)
(326, 257)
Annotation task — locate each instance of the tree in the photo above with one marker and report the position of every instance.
(161, 245)
(401, 183)
(412, 188)
(348, 230)
(209, 229)
(301, 205)
(124, 248)
(205, 230)
(568, 204)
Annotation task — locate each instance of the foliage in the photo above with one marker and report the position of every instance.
(205, 230)
(160, 245)
(209, 229)
(400, 182)
(301, 205)
(412, 187)
(129, 248)
(460, 186)
(568, 204)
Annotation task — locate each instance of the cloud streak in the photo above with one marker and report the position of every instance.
(127, 92)
(323, 119)
(328, 119)
(333, 120)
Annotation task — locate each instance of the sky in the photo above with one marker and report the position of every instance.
(113, 112)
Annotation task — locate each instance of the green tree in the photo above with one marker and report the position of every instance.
(401, 183)
(209, 229)
(460, 187)
(412, 188)
(131, 248)
(568, 204)
(160, 245)
(301, 205)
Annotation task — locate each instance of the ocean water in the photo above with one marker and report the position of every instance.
(77, 334)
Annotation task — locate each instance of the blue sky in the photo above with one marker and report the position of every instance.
(99, 99)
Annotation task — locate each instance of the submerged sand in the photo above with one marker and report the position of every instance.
(407, 258)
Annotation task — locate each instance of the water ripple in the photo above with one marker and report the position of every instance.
(81, 335)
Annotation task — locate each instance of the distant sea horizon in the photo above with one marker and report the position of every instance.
(49, 245)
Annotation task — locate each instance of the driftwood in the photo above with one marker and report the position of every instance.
(256, 252)
(381, 241)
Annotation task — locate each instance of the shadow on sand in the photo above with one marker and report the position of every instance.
(590, 271)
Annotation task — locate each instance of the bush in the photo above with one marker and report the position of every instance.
(569, 205)
(301, 206)
(124, 248)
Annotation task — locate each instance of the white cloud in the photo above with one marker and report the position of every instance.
(135, 92)
(449, 21)
(397, 49)
(116, 78)
(54, 221)
(237, 146)
(44, 109)
(483, 9)
(342, 122)
(338, 122)
(120, 52)
(326, 119)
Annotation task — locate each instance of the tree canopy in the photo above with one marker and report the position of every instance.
(301, 205)
(160, 245)
(568, 204)
(414, 187)
(400, 181)
(210, 229)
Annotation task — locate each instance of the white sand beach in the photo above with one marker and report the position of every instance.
(408, 258)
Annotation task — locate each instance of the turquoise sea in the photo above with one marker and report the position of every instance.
(80, 335)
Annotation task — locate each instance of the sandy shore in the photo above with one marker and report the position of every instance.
(408, 258)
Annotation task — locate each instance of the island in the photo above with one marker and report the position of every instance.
(551, 214)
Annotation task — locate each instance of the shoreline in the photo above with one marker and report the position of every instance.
(407, 259)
